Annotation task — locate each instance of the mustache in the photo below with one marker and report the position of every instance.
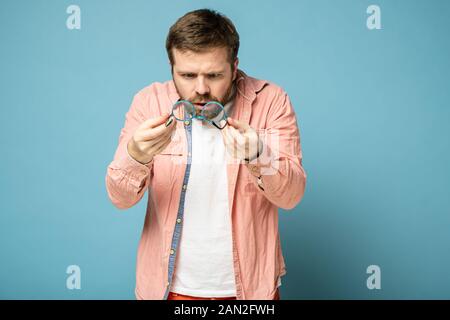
(203, 99)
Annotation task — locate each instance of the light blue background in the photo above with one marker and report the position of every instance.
(373, 109)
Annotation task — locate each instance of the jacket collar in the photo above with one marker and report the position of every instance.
(247, 86)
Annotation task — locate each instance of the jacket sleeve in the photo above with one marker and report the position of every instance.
(127, 179)
(282, 178)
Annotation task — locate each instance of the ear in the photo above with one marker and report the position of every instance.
(235, 68)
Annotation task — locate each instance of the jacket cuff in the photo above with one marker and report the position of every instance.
(136, 171)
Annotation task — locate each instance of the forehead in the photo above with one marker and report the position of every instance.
(212, 60)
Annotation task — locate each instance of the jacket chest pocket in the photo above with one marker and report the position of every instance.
(246, 186)
(167, 162)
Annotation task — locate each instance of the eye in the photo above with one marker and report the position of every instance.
(214, 75)
(188, 75)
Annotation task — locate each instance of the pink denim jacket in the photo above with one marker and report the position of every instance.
(276, 179)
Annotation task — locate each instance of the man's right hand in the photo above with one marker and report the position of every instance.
(150, 138)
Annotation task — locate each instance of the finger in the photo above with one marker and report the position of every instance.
(239, 125)
(229, 144)
(251, 146)
(161, 142)
(240, 139)
(154, 122)
(158, 132)
(243, 144)
(227, 136)
(161, 145)
(232, 145)
(166, 136)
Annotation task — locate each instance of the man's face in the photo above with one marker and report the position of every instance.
(203, 76)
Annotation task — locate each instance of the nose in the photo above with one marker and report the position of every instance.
(201, 86)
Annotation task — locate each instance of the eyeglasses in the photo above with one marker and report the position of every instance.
(212, 112)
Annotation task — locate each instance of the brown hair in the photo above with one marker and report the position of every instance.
(200, 30)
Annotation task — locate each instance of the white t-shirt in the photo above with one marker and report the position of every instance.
(204, 265)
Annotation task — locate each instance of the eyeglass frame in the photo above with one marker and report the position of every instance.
(199, 117)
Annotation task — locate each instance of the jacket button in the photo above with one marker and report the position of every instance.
(187, 122)
(184, 187)
(172, 251)
(178, 220)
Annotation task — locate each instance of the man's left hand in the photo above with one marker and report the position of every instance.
(241, 140)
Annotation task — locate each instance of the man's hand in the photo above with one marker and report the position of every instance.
(241, 140)
(150, 139)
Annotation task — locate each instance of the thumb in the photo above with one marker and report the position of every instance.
(241, 126)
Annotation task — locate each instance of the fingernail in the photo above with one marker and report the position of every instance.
(168, 122)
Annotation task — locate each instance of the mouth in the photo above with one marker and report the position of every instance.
(198, 107)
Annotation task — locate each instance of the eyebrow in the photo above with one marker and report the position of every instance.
(189, 72)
